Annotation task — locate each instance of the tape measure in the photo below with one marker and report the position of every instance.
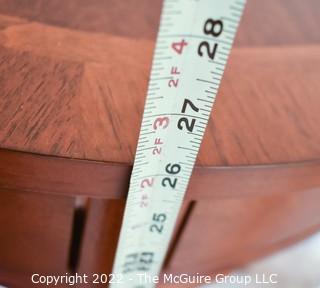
(193, 44)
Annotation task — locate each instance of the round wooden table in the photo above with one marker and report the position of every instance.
(73, 79)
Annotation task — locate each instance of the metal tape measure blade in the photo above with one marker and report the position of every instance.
(193, 44)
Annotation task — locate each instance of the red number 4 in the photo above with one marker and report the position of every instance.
(178, 46)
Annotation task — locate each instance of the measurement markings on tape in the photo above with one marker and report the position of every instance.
(193, 44)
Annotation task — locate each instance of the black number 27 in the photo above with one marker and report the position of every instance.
(184, 121)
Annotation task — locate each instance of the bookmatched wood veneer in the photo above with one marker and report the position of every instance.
(73, 78)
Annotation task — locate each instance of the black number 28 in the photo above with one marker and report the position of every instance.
(214, 28)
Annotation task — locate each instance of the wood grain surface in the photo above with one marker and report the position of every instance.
(35, 235)
(241, 229)
(101, 236)
(76, 88)
(43, 175)
(73, 79)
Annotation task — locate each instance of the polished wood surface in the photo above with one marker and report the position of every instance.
(79, 92)
(239, 230)
(101, 237)
(35, 235)
(73, 78)
(43, 175)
